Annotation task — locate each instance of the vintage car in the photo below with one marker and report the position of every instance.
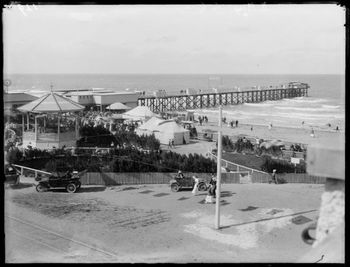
(69, 181)
(178, 183)
(11, 174)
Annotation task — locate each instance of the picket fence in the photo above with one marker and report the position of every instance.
(131, 178)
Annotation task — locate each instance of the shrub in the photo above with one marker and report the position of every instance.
(227, 144)
(282, 166)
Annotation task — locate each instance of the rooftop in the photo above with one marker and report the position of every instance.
(18, 97)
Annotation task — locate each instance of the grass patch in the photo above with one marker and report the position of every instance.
(247, 160)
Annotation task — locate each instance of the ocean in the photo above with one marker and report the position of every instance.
(325, 103)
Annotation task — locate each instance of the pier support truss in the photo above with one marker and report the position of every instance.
(208, 100)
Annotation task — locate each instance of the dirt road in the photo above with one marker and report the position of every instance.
(260, 223)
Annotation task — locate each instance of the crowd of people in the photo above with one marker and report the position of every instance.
(202, 119)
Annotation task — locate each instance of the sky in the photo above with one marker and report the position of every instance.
(225, 39)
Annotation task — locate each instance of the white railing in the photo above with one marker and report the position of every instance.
(211, 155)
(31, 169)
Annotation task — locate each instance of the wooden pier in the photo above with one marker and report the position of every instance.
(208, 100)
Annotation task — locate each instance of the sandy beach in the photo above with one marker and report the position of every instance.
(287, 134)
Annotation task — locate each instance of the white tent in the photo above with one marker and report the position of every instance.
(118, 106)
(171, 130)
(140, 113)
(165, 130)
(148, 127)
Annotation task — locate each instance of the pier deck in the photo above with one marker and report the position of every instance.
(207, 100)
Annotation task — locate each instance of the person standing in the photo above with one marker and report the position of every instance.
(312, 134)
(274, 178)
(212, 191)
(195, 186)
(236, 123)
(169, 145)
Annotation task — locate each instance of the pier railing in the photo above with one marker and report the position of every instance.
(207, 100)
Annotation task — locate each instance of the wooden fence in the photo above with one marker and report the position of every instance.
(129, 178)
(300, 178)
(264, 177)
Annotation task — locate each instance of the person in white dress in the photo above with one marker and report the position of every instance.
(195, 187)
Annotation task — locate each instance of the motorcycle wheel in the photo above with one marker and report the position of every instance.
(202, 187)
(175, 187)
(40, 188)
(71, 188)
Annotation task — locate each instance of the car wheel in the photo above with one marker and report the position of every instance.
(202, 187)
(71, 188)
(175, 187)
(40, 188)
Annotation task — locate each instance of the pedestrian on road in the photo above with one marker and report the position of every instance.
(211, 191)
(195, 187)
(274, 178)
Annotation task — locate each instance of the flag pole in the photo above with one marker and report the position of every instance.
(218, 181)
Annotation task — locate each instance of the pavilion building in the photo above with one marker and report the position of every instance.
(50, 121)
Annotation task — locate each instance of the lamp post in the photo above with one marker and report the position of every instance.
(218, 181)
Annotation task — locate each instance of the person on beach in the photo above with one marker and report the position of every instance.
(172, 143)
(206, 119)
(302, 124)
(337, 128)
(236, 123)
(312, 134)
(251, 128)
(169, 145)
(231, 123)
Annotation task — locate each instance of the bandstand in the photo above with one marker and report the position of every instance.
(50, 122)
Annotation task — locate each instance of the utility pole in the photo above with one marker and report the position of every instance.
(218, 180)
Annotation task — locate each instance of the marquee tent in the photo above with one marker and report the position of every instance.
(140, 113)
(165, 130)
(118, 106)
